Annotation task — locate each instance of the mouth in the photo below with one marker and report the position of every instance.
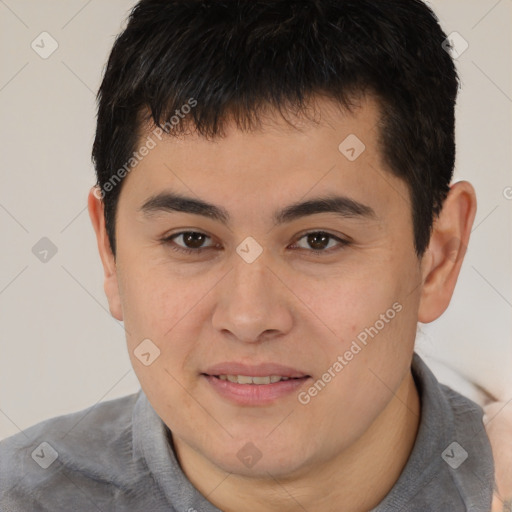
(259, 381)
(254, 385)
(244, 372)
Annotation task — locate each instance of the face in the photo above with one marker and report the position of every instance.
(326, 294)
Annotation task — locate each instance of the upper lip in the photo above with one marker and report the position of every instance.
(259, 370)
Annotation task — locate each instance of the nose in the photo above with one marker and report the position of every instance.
(252, 304)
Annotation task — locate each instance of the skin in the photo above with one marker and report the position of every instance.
(350, 443)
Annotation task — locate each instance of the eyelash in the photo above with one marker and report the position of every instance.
(169, 240)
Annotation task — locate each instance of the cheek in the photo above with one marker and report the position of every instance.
(343, 306)
(171, 312)
(154, 300)
(160, 309)
(367, 362)
(363, 324)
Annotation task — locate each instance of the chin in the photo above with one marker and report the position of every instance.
(261, 460)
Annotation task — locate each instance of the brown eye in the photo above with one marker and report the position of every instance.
(318, 241)
(321, 242)
(187, 241)
(193, 239)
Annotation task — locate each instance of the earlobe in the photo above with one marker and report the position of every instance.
(111, 286)
(442, 261)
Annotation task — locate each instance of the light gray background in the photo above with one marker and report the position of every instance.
(61, 351)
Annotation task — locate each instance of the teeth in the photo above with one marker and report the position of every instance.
(245, 379)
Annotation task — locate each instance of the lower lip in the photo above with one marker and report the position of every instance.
(255, 394)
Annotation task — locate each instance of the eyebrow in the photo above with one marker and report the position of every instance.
(340, 205)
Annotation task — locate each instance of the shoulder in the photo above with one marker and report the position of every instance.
(469, 455)
(470, 433)
(466, 450)
(467, 413)
(451, 465)
(95, 442)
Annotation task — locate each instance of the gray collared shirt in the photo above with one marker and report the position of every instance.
(116, 456)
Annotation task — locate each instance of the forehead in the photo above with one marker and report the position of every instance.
(334, 151)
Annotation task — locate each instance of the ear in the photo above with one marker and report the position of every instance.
(111, 287)
(442, 260)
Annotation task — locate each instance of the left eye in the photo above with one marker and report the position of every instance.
(320, 242)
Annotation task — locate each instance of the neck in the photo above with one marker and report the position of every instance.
(359, 477)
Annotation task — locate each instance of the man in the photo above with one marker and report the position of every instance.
(274, 216)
